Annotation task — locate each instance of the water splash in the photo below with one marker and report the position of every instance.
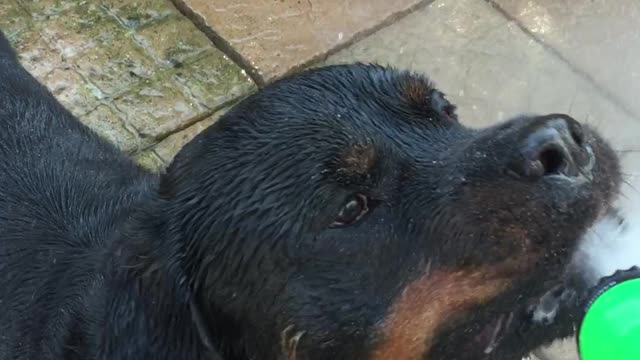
(611, 244)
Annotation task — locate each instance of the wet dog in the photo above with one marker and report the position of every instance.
(340, 213)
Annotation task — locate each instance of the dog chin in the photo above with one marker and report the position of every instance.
(611, 244)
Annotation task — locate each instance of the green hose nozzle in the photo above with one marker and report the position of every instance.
(610, 328)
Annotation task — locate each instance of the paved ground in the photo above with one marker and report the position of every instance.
(150, 74)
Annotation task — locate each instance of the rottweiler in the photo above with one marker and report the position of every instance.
(343, 212)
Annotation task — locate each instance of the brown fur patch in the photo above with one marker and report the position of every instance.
(357, 161)
(428, 302)
(417, 92)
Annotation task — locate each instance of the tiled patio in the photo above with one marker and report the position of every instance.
(136, 71)
(150, 74)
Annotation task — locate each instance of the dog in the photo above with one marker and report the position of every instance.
(343, 212)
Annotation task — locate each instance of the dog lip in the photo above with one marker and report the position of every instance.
(497, 333)
(491, 334)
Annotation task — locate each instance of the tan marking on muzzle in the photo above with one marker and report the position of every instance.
(428, 302)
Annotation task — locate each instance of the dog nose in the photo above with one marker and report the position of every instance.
(553, 145)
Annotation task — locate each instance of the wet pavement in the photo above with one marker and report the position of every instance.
(150, 74)
(277, 37)
(137, 72)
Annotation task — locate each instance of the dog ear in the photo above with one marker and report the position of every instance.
(421, 95)
(443, 106)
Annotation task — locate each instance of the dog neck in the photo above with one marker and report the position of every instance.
(203, 330)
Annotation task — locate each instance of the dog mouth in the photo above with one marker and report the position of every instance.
(485, 339)
(542, 313)
(509, 331)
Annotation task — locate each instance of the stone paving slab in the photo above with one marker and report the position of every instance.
(135, 14)
(493, 70)
(276, 36)
(135, 71)
(600, 37)
(109, 123)
(14, 18)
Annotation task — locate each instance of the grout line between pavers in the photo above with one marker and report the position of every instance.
(555, 52)
(253, 73)
(153, 152)
(192, 121)
(219, 42)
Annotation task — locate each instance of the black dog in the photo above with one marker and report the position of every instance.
(341, 213)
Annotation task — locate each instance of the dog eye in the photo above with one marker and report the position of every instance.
(352, 211)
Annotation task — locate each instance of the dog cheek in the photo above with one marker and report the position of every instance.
(426, 304)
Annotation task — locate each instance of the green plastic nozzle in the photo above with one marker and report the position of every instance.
(610, 328)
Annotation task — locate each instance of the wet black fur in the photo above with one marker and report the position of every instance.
(100, 259)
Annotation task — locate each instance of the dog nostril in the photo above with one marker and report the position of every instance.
(551, 145)
(552, 160)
